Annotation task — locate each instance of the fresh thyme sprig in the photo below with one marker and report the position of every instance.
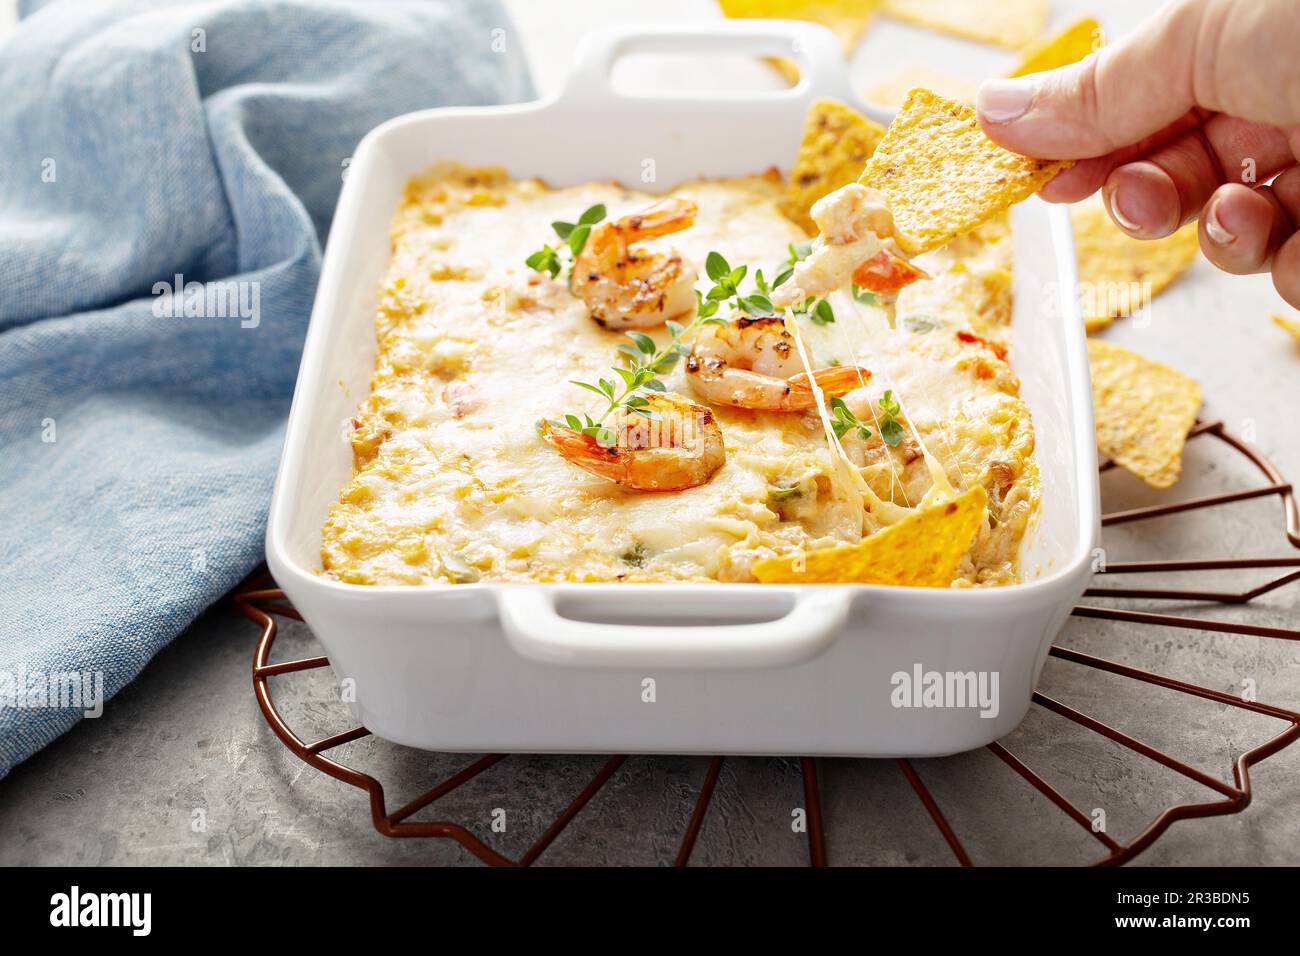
(891, 432)
(818, 310)
(820, 313)
(634, 379)
(843, 420)
(637, 378)
(573, 237)
(646, 361)
(605, 435)
(797, 252)
(727, 286)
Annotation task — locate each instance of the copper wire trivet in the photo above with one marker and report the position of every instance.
(261, 604)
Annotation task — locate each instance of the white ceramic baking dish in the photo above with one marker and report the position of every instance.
(699, 668)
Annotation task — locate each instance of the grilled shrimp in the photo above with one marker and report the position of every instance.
(855, 229)
(887, 273)
(679, 449)
(629, 288)
(753, 363)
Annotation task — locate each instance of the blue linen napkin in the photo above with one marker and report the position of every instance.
(146, 147)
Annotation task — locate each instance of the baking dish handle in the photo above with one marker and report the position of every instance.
(817, 51)
(538, 631)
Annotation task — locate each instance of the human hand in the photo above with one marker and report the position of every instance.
(1185, 118)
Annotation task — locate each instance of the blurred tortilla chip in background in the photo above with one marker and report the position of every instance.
(1143, 411)
(943, 177)
(1061, 49)
(1289, 325)
(845, 18)
(892, 92)
(837, 142)
(1069, 46)
(1008, 23)
(1119, 275)
(923, 550)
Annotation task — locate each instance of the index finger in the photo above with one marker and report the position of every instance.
(1107, 101)
(1087, 175)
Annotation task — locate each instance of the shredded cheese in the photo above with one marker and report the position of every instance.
(941, 488)
(849, 480)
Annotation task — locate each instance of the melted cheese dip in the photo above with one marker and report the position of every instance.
(453, 483)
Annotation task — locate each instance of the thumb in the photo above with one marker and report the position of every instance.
(1108, 100)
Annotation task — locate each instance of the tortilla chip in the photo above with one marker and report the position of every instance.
(1069, 46)
(1143, 412)
(891, 93)
(845, 18)
(943, 177)
(1009, 23)
(1120, 275)
(1290, 325)
(837, 142)
(923, 550)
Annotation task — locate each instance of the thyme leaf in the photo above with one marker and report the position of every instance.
(573, 239)
(843, 420)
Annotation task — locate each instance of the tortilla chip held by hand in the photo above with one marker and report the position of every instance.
(943, 177)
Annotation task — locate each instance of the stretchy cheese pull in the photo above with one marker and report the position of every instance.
(845, 474)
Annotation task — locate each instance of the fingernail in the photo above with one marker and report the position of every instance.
(1001, 101)
(1214, 227)
(1118, 214)
(1143, 200)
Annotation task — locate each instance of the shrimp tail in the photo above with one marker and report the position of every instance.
(833, 382)
(681, 448)
(664, 218)
(887, 273)
(626, 286)
(583, 450)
